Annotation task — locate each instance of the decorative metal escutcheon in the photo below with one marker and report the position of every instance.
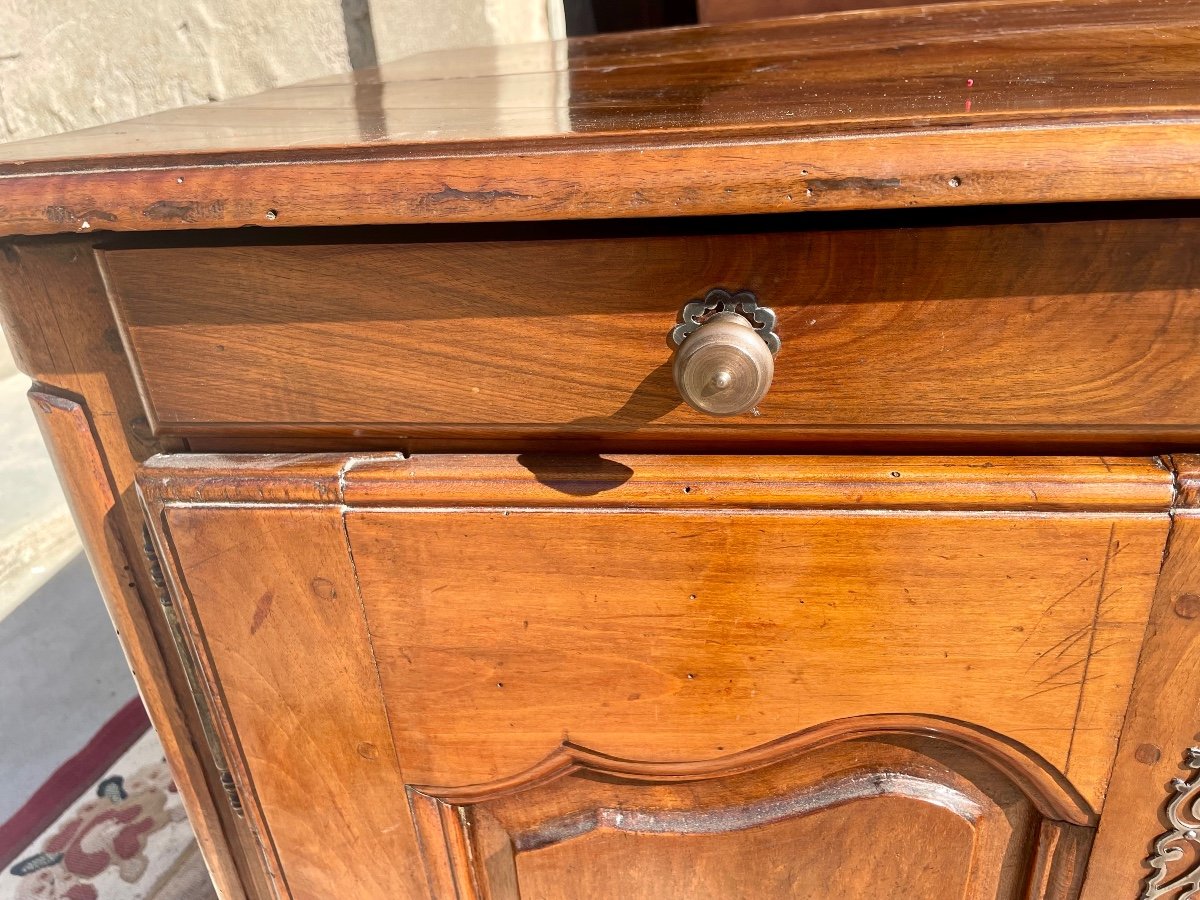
(1175, 863)
(717, 301)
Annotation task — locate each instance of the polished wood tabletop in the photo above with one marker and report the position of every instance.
(955, 104)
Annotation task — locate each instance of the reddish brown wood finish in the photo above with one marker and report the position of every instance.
(996, 102)
(80, 463)
(714, 12)
(634, 481)
(663, 639)
(57, 318)
(456, 676)
(993, 332)
(301, 695)
(1161, 724)
(784, 820)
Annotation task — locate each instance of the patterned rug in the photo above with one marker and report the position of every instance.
(127, 838)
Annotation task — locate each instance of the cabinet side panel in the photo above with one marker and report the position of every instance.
(72, 444)
(275, 608)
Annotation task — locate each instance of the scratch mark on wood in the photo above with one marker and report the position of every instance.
(1089, 577)
(1068, 642)
(1091, 650)
(209, 557)
(262, 609)
(1063, 671)
(1107, 646)
(1051, 607)
(1053, 687)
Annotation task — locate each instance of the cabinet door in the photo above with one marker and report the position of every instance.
(646, 677)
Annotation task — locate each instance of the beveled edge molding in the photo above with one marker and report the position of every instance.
(191, 673)
(444, 816)
(1042, 783)
(649, 481)
(1183, 814)
(748, 174)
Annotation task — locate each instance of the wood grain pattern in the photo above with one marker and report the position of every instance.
(1061, 863)
(57, 319)
(796, 818)
(675, 642)
(1162, 721)
(1074, 584)
(458, 676)
(813, 636)
(714, 12)
(639, 481)
(271, 598)
(996, 331)
(80, 464)
(756, 483)
(1008, 102)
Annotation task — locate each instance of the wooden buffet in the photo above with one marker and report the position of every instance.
(744, 461)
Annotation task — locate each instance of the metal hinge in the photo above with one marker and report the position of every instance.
(190, 672)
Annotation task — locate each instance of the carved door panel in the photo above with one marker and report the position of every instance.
(893, 814)
(511, 678)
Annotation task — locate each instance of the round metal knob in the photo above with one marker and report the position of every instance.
(724, 367)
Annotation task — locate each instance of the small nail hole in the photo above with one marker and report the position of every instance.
(272, 215)
(954, 182)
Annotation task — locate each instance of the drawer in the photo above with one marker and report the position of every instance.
(993, 332)
(476, 667)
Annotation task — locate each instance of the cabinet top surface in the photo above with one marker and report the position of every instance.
(1003, 101)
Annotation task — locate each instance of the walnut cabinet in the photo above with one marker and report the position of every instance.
(747, 461)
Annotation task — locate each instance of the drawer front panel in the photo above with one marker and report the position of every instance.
(990, 332)
(736, 679)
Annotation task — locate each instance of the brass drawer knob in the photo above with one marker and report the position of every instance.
(725, 356)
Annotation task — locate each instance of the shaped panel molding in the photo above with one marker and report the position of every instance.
(813, 815)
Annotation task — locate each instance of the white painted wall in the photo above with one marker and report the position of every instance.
(66, 64)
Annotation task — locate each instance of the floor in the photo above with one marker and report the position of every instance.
(62, 676)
